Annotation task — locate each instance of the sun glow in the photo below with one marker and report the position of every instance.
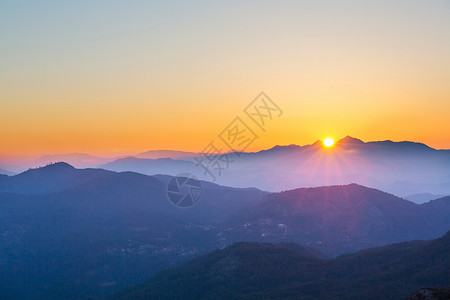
(328, 142)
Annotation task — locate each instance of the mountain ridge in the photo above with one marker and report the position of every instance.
(401, 168)
(266, 271)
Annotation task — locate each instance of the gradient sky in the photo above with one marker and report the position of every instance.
(108, 77)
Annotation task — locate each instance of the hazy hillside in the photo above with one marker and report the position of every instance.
(103, 234)
(267, 271)
(49, 179)
(339, 219)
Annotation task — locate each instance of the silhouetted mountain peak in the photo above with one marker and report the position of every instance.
(317, 143)
(59, 166)
(342, 197)
(52, 178)
(402, 145)
(348, 140)
(49, 171)
(335, 189)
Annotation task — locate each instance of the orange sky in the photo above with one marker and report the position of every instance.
(130, 78)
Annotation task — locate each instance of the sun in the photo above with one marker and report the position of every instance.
(328, 142)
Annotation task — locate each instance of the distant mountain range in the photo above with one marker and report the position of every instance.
(71, 233)
(402, 168)
(166, 166)
(156, 154)
(278, 271)
(422, 198)
(4, 172)
(84, 160)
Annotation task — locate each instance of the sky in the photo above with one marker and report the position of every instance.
(114, 77)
